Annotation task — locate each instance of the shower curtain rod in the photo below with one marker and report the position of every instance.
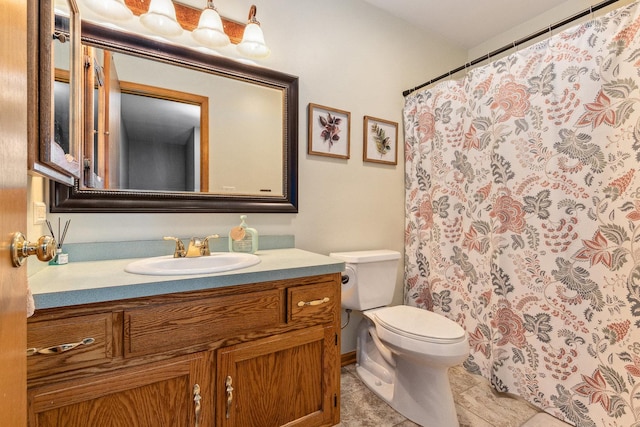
(504, 48)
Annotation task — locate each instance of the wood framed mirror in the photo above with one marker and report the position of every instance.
(239, 147)
(55, 108)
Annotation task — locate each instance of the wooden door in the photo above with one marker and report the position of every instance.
(282, 380)
(13, 203)
(165, 394)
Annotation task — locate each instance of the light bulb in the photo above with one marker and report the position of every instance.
(210, 31)
(161, 18)
(111, 9)
(252, 44)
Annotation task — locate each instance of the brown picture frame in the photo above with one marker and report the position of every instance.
(380, 143)
(329, 131)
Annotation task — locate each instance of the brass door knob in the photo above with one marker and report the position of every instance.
(44, 249)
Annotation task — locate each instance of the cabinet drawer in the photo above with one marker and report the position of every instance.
(55, 346)
(178, 325)
(312, 303)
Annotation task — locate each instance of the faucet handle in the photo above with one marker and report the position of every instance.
(180, 252)
(204, 249)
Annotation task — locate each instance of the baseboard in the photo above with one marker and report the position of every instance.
(348, 358)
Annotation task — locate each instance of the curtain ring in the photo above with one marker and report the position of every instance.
(550, 31)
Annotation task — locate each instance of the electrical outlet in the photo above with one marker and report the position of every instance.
(39, 212)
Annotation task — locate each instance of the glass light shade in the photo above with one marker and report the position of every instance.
(210, 32)
(111, 9)
(161, 18)
(252, 44)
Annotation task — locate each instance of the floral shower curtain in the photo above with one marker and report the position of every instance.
(523, 218)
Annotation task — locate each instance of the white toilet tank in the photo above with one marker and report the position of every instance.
(369, 279)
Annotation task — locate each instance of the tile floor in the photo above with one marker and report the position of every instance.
(477, 405)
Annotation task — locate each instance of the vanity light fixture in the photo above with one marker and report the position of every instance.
(161, 18)
(208, 28)
(252, 44)
(210, 32)
(114, 10)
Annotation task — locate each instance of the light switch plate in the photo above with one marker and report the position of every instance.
(39, 212)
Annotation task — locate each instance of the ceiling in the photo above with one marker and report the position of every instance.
(466, 23)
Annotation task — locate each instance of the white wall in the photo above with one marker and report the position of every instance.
(350, 56)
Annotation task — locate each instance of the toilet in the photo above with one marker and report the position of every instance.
(403, 353)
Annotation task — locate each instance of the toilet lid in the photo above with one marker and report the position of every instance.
(419, 324)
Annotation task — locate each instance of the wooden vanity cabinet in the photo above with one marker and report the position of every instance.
(265, 354)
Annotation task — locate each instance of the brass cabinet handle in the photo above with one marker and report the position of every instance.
(315, 302)
(196, 399)
(229, 391)
(57, 349)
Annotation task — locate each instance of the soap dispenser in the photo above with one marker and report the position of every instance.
(243, 238)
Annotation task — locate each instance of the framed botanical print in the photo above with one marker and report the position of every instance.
(380, 141)
(329, 131)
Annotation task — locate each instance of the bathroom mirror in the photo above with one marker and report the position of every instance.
(54, 89)
(248, 162)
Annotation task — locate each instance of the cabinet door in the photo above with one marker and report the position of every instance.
(288, 379)
(155, 395)
(55, 68)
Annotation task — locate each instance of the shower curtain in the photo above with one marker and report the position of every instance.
(523, 218)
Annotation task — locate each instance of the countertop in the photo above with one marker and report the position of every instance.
(100, 281)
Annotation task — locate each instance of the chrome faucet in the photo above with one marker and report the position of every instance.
(197, 247)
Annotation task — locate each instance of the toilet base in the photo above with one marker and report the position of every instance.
(382, 389)
(424, 398)
(424, 395)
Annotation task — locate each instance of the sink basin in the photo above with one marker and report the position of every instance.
(169, 266)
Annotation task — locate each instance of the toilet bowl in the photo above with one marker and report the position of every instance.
(403, 353)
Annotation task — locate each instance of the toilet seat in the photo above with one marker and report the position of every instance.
(419, 324)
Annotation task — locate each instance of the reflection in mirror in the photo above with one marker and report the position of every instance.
(61, 117)
(61, 142)
(242, 150)
(143, 137)
(163, 144)
(247, 157)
